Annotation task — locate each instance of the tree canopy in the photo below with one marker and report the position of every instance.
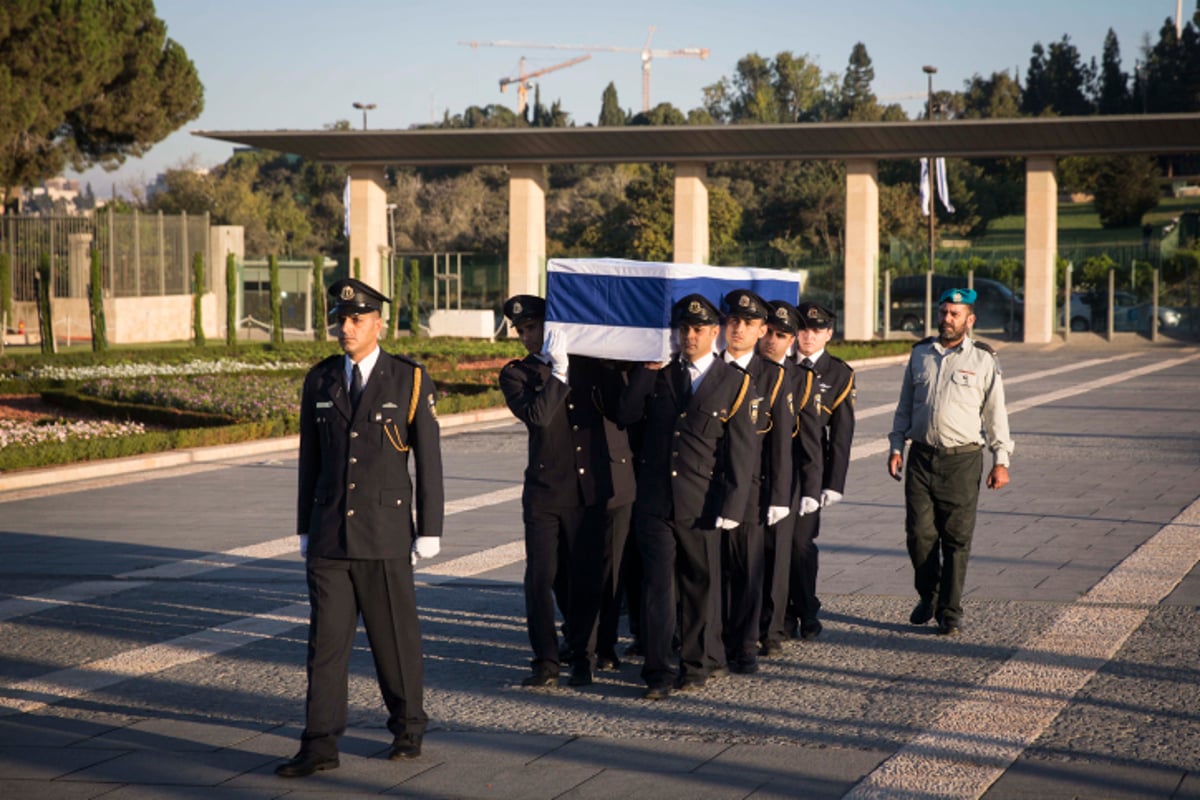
(85, 83)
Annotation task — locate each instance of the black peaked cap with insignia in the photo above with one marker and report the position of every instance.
(694, 309)
(815, 316)
(521, 307)
(744, 304)
(784, 316)
(352, 296)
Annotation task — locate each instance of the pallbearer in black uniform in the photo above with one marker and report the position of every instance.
(805, 443)
(567, 484)
(828, 408)
(361, 415)
(743, 554)
(694, 478)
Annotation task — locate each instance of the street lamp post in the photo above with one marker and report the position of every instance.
(930, 71)
(365, 107)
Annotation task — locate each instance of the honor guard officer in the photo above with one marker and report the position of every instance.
(804, 441)
(697, 456)
(770, 497)
(951, 407)
(567, 485)
(361, 415)
(827, 406)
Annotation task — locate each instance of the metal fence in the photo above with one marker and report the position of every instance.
(140, 254)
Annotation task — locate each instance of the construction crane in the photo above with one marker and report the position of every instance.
(646, 53)
(522, 79)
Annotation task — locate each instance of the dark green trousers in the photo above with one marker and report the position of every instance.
(941, 493)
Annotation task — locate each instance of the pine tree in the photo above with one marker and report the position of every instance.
(858, 102)
(611, 114)
(1113, 91)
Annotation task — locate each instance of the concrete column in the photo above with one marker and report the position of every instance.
(691, 214)
(526, 228)
(862, 248)
(368, 222)
(1041, 247)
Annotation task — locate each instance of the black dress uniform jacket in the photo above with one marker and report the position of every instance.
(566, 435)
(355, 494)
(828, 413)
(774, 420)
(699, 453)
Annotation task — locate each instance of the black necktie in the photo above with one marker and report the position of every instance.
(685, 381)
(356, 386)
(807, 363)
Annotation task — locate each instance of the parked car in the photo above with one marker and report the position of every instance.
(996, 307)
(1089, 312)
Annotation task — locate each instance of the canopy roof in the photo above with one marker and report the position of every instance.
(1157, 134)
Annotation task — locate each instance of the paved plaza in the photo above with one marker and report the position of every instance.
(153, 628)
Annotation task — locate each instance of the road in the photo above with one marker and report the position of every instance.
(152, 630)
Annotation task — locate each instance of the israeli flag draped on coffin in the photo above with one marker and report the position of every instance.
(614, 308)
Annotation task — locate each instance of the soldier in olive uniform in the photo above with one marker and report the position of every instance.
(568, 482)
(697, 456)
(361, 415)
(827, 407)
(951, 408)
(744, 549)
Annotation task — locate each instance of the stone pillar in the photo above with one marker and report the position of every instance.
(691, 214)
(1041, 247)
(862, 249)
(526, 228)
(79, 264)
(368, 222)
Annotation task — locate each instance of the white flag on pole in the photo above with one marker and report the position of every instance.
(943, 189)
(346, 203)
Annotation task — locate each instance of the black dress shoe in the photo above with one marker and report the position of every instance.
(718, 672)
(811, 630)
(657, 691)
(922, 613)
(771, 649)
(581, 674)
(691, 684)
(541, 677)
(404, 749)
(304, 764)
(635, 649)
(746, 664)
(608, 662)
(948, 628)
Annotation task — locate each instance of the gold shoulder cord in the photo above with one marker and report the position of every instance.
(771, 405)
(737, 403)
(842, 396)
(393, 431)
(803, 401)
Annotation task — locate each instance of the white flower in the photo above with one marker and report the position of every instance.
(194, 367)
(14, 433)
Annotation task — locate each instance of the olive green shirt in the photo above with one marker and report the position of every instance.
(952, 397)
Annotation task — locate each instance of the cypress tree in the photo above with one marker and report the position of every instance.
(231, 294)
(6, 293)
(198, 299)
(414, 297)
(44, 278)
(276, 304)
(320, 323)
(96, 304)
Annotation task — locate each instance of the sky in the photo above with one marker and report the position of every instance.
(301, 64)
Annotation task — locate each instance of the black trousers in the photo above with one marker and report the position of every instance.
(574, 538)
(941, 494)
(612, 585)
(802, 583)
(339, 590)
(676, 553)
(777, 552)
(743, 566)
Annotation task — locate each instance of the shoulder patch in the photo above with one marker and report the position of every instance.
(984, 346)
(926, 340)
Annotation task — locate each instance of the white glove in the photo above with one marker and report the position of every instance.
(304, 545)
(426, 547)
(727, 524)
(554, 347)
(777, 513)
(808, 505)
(829, 497)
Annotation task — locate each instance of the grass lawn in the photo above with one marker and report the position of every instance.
(1079, 226)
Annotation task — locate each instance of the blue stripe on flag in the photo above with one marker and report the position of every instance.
(620, 301)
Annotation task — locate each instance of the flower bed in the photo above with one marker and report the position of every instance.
(18, 433)
(247, 398)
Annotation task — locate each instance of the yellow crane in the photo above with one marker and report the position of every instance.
(648, 55)
(522, 79)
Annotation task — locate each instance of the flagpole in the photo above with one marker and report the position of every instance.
(929, 71)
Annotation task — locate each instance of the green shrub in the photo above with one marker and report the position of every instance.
(96, 304)
(198, 299)
(231, 295)
(134, 412)
(45, 281)
(276, 300)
